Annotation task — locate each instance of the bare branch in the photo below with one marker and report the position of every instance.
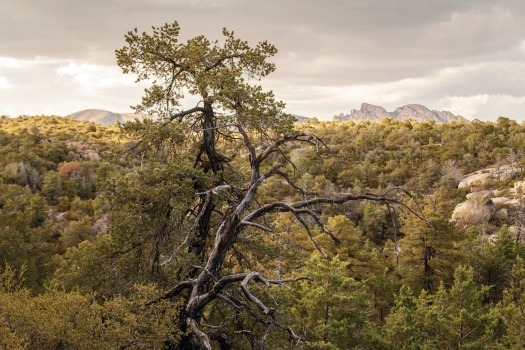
(256, 181)
(307, 228)
(273, 171)
(263, 340)
(419, 213)
(192, 229)
(222, 282)
(290, 137)
(247, 142)
(286, 158)
(186, 112)
(204, 340)
(284, 207)
(176, 290)
(214, 190)
(286, 280)
(211, 326)
(229, 301)
(175, 252)
(262, 227)
(291, 183)
(244, 287)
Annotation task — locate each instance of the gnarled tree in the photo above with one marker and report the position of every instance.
(231, 111)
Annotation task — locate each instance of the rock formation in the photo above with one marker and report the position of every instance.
(103, 117)
(413, 111)
(477, 209)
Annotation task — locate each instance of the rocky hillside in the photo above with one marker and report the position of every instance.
(413, 111)
(103, 117)
(494, 200)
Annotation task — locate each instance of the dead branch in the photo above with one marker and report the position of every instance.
(262, 227)
(291, 183)
(173, 292)
(202, 337)
(186, 112)
(244, 287)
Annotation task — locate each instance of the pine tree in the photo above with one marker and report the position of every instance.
(458, 318)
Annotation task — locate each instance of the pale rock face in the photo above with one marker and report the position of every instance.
(505, 201)
(480, 198)
(367, 112)
(84, 150)
(519, 187)
(419, 112)
(481, 177)
(475, 179)
(371, 111)
(515, 230)
(412, 111)
(502, 214)
(477, 209)
(103, 117)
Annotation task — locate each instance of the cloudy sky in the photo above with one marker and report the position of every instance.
(57, 56)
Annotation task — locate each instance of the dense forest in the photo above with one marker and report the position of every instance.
(90, 235)
(229, 226)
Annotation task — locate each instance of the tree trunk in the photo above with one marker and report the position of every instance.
(208, 133)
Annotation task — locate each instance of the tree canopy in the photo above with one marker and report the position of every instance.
(230, 108)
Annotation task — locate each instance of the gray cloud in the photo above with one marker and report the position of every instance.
(328, 49)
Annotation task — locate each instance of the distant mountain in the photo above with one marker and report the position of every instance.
(300, 118)
(103, 117)
(413, 111)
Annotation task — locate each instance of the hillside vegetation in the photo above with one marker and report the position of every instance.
(92, 230)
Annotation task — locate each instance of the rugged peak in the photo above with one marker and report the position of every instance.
(412, 108)
(367, 112)
(373, 110)
(413, 111)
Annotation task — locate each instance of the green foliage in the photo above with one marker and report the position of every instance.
(59, 320)
(139, 244)
(216, 71)
(455, 318)
(333, 309)
(429, 253)
(493, 263)
(402, 330)
(117, 224)
(512, 308)
(458, 318)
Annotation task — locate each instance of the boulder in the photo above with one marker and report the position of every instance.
(493, 173)
(477, 209)
(505, 201)
(502, 214)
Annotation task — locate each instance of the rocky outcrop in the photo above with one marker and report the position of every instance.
(367, 112)
(100, 116)
(84, 150)
(412, 111)
(491, 206)
(493, 173)
(421, 113)
(477, 209)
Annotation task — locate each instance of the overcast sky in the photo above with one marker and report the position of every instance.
(468, 57)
